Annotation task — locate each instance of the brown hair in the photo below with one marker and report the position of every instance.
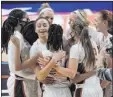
(108, 16)
(81, 29)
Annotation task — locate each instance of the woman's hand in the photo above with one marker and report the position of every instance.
(43, 61)
(57, 56)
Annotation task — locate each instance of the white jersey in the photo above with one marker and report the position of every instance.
(39, 47)
(103, 42)
(24, 55)
(92, 83)
(77, 51)
(30, 85)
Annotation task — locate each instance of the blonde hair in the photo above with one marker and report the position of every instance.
(43, 6)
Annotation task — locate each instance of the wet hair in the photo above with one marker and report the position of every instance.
(28, 32)
(14, 18)
(108, 16)
(55, 41)
(80, 28)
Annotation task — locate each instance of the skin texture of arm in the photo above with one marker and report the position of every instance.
(27, 63)
(78, 77)
(70, 71)
(81, 77)
(41, 74)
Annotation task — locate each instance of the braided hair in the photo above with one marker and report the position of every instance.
(55, 41)
(28, 32)
(15, 17)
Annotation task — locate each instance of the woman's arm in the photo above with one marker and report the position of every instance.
(70, 71)
(81, 77)
(77, 78)
(72, 65)
(41, 74)
(26, 64)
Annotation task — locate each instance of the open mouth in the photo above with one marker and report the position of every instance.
(42, 31)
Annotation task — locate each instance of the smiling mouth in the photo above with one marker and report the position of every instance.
(42, 31)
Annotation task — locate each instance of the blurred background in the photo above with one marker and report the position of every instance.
(62, 10)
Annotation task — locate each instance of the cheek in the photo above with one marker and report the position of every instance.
(47, 28)
(36, 30)
(100, 25)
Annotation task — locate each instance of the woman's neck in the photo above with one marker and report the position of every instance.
(43, 40)
(105, 33)
(77, 40)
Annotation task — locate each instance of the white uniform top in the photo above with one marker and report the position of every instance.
(11, 55)
(77, 52)
(59, 80)
(103, 42)
(37, 47)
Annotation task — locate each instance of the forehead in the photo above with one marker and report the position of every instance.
(41, 21)
(48, 13)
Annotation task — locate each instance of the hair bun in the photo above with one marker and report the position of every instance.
(45, 5)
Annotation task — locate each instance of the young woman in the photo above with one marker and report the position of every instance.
(54, 43)
(20, 80)
(104, 24)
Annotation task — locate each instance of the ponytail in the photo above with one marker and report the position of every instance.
(15, 16)
(89, 59)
